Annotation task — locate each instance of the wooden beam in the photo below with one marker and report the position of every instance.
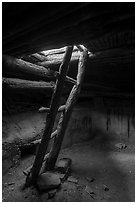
(65, 116)
(38, 57)
(56, 51)
(107, 57)
(20, 84)
(53, 61)
(13, 66)
(50, 119)
(18, 68)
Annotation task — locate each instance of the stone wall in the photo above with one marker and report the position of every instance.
(113, 118)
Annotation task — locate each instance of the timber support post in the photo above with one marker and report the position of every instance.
(55, 102)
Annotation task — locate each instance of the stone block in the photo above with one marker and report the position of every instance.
(63, 165)
(48, 181)
(62, 176)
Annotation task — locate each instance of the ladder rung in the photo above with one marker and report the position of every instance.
(71, 80)
(36, 142)
(61, 108)
(44, 109)
(68, 79)
(53, 134)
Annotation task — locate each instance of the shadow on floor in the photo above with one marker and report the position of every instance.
(100, 160)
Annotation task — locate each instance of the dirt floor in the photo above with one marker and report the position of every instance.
(98, 160)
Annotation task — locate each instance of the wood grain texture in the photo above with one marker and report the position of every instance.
(65, 116)
(55, 101)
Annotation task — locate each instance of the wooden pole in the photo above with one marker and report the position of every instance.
(17, 68)
(31, 179)
(20, 84)
(12, 66)
(64, 119)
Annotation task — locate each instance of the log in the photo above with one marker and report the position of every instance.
(107, 57)
(65, 116)
(56, 51)
(13, 65)
(43, 109)
(34, 58)
(18, 68)
(53, 61)
(31, 179)
(38, 57)
(20, 84)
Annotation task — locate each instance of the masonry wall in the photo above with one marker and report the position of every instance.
(112, 119)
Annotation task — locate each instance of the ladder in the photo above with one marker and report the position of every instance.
(51, 158)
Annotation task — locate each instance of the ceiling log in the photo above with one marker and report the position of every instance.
(19, 84)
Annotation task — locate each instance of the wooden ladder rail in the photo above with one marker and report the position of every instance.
(65, 116)
(32, 176)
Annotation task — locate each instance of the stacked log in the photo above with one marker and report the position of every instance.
(18, 68)
(20, 84)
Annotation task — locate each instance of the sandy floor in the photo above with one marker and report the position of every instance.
(99, 160)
